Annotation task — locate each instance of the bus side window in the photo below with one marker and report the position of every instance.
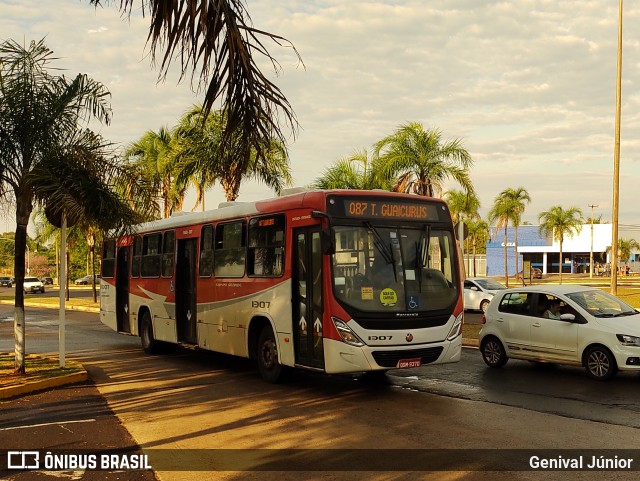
(137, 257)
(206, 251)
(108, 258)
(266, 246)
(168, 253)
(150, 266)
(230, 249)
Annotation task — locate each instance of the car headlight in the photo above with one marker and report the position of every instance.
(347, 335)
(627, 340)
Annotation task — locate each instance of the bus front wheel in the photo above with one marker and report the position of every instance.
(267, 355)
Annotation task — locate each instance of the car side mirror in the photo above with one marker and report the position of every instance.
(474, 288)
(568, 317)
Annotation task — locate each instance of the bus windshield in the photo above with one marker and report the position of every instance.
(391, 269)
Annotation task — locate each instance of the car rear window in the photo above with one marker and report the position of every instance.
(516, 303)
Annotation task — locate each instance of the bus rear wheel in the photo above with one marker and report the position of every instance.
(267, 355)
(149, 344)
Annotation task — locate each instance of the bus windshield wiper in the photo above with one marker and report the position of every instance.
(386, 253)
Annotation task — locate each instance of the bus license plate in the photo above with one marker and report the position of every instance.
(409, 363)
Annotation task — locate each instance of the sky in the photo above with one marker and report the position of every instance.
(527, 86)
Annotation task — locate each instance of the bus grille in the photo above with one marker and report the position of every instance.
(391, 358)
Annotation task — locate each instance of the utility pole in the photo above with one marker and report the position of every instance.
(616, 163)
(591, 253)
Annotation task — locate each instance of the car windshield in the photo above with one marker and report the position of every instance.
(601, 304)
(31, 279)
(489, 284)
(390, 269)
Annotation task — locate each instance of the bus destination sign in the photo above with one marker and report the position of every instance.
(381, 208)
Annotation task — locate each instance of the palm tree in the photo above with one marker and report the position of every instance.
(559, 223)
(154, 158)
(463, 205)
(420, 162)
(202, 155)
(517, 198)
(218, 39)
(46, 160)
(500, 213)
(359, 172)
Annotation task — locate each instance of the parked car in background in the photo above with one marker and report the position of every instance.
(47, 281)
(33, 285)
(535, 273)
(86, 280)
(585, 327)
(6, 281)
(478, 292)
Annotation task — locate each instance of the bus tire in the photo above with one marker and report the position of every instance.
(267, 355)
(149, 344)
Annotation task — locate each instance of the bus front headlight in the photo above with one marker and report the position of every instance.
(456, 330)
(347, 335)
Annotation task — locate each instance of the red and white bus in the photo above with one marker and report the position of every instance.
(337, 281)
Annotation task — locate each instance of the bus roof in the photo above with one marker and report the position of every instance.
(315, 199)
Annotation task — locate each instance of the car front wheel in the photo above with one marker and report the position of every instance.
(484, 304)
(600, 363)
(493, 352)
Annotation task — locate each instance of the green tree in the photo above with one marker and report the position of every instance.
(559, 223)
(219, 44)
(420, 162)
(358, 172)
(625, 249)
(478, 231)
(202, 155)
(464, 206)
(46, 159)
(517, 198)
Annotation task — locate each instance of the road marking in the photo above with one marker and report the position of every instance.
(48, 424)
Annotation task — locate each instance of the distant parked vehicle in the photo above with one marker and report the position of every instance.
(86, 280)
(47, 281)
(535, 273)
(33, 285)
(478, 292)
(6, 281)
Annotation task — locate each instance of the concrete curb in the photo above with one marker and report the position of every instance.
(33, 386)
(470, 342)
(67, 307)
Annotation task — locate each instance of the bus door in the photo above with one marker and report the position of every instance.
(122, 290)
(307, 298)
(186, 313)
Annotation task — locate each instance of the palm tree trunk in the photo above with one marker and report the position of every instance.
(560, 262)
(474, 256)
(517, 256)
(506, 268)
(23, 212)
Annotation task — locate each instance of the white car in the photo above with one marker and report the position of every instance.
(591, 328)
(478, 292)
(33, 284)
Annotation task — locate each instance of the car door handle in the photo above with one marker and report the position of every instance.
(535, 324)
(500, 319)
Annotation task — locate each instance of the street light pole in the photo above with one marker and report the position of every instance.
(616, 164)
(591, 253)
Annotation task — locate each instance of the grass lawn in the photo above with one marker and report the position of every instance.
(37, 368)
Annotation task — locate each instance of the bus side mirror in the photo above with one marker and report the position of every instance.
(328, 241)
